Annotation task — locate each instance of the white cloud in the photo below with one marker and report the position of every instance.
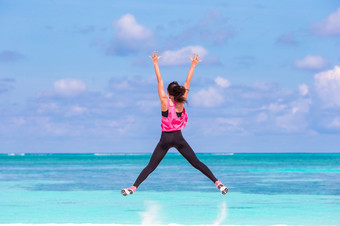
(69, 87)
(129, 29)
(275, 107)
(18, 121)
(148, 106)
(330, 26)
(109, 95)
(311, 63)
(301, 105)
(123, 85)
(216, 126)
(76, 110)
(288, 116)
(295, 109)
(265, 86)
(46, 126)
(294, 118)
(210, 97)
(130, 37)
(222, 82)
(229, 121)
(335, 123)
(327, 84)
(261, 117)
(181, 56)
(292, 122)
(48, 107)
(303, 89)
(124, 125)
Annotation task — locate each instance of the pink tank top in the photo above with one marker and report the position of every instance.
(173, 122)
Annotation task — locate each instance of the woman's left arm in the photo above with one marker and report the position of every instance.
(161, 93)
(194, 62)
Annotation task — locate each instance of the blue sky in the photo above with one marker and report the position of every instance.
(75, 76)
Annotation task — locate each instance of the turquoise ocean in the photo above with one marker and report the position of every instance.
(264, 189)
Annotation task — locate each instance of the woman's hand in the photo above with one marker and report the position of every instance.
(195, 60)
(155, 57)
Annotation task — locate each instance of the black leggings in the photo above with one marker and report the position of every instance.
(167, 141)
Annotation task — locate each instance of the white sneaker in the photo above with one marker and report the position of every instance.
(128, 191)
(221, 187)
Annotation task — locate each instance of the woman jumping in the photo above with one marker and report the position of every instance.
(174, 119)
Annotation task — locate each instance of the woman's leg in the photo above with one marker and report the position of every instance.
(157, 156)
(184, 148)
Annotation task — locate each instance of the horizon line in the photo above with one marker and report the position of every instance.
(134, 153)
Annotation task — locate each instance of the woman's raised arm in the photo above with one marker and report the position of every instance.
(194, 62)
(161, 93)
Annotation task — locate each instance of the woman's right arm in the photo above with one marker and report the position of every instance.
(194, 62)
(161, 93)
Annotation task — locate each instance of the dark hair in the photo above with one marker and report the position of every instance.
(177, 91)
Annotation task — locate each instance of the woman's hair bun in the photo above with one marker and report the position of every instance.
(177, 91)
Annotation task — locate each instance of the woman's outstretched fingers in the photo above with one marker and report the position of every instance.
(155, 57)
(199, 58)
(196, 59)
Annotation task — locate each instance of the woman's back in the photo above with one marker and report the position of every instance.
(173, 120)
